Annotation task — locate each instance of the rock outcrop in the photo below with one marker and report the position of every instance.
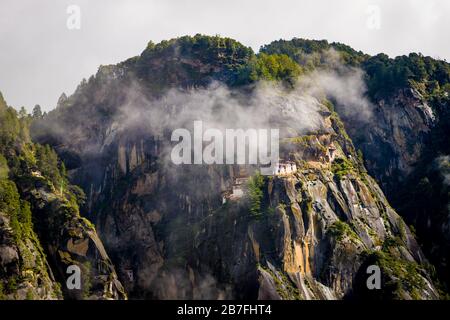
(395, 139)
(307, 235)
(41, 231)
(24, 272)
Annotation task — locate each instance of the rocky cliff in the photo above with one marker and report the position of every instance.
(405, 149)
(396, 141)
(41, 230)
(171, 232)
(404, 141)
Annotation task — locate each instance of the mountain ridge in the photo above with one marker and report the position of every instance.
(314, 232)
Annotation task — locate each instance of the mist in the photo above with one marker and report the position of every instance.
(295, 111)
(184, 190)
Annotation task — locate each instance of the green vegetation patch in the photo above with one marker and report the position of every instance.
(404, 275)
(341, 167)
(284, 287)
(273, 67)
(340, 230)
(4, 170)
(400, 275)
(255, 192)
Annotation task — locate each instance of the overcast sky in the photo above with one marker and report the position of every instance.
(40, 57)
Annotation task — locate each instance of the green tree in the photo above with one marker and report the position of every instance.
(37, 112)
(270, 67)
(2, 102)
(255, 191)
(3, 168)
(23, 112)
(48, 163)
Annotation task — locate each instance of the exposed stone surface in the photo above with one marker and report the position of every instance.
(394, 139)
(168, 232)
(24, 273)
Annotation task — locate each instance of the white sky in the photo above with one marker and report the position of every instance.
(40, 57)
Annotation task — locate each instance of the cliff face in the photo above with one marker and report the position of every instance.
(171, 236)
(313, 235)
(405, 142)
(70, 239)
(41, 230)
(171, 232)
(396, 140)
(24, 272)
(406, 150)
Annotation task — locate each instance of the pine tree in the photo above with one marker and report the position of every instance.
(37, 112)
